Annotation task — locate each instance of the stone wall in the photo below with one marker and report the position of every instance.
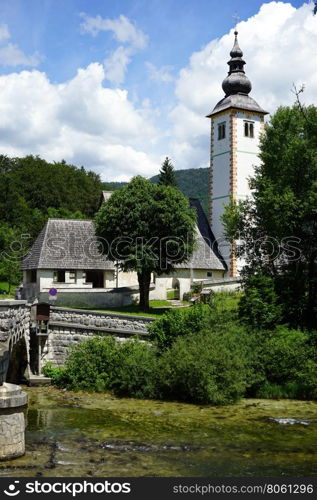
(68, 327)
(14, 339)
(14, 320)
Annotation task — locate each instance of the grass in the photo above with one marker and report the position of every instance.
(4, 288)
(157, 308)
(172, 294)
(227, 301)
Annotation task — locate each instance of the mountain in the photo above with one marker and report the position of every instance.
(193, 182)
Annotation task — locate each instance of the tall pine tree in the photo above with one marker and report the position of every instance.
(167, 174)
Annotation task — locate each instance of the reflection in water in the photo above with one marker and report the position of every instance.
(77, 434)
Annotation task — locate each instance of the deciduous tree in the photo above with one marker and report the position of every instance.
(147, 229)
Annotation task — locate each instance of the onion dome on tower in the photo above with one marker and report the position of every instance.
(237, 85)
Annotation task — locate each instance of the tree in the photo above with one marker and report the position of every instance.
(167, 174)
(13, 247)
(147, 229)
(279, 224)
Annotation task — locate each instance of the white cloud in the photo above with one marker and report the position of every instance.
(122, 28)
(280, 47)
(80, 121)
(125, 32)
(4, 32)
(162, 74)
(12, 55)
(117, 63)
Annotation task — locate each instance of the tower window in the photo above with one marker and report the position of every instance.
(249, 129)
(221, 131)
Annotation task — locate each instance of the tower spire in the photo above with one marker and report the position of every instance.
(236, 82)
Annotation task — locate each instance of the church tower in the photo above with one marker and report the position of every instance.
(236, 125)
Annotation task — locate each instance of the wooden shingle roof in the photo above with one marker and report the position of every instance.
(72, 244)
(66, 244)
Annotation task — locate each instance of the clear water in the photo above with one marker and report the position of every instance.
(79, 434)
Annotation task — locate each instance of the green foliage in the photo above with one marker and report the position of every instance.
(91, 364)
(133, 375)
(204, 356)
(204, 368)
(167, 174)
(259, 306)
(179, 322)
(196, 287)
(31, 191)
(100, 364)
(193, 183)
(288, 363)
(233, 219)
(144, 225)
(56, 374)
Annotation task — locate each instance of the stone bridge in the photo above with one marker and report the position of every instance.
(14, 333)
(24, 350)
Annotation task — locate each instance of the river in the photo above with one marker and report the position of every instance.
(80, 434)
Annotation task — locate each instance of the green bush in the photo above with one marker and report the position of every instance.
(56, 374)
(259, 307)
(100, 364)
(133, 375)
(283, 354)
(91, 364)
(205, 368)
(178, 322)
(289, 365)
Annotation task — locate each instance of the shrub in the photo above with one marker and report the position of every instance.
(283, 354)
(204, 368)
(178, 322)
(259, 307)
(196, 287)
(56, 374)
(133, 375)
(289, 364)
(101, 364)
(91, 364)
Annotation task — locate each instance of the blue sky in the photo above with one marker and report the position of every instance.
(109, 84)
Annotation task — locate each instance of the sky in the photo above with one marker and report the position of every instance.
(116, 86)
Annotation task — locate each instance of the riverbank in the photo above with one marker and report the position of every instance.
(82, 434)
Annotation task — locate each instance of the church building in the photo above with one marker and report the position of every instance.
(237, 122)
(64, 256)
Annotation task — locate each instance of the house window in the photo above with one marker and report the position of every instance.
(209, 274)
(72, 276)
(59, 276)
(221, 131)
(31, 276)
(249, 129)
(96, 278)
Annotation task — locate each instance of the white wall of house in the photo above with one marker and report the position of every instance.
(185, 278)
(81, 293)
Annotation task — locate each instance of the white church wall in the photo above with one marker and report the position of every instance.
(247, 152)
(220, 161)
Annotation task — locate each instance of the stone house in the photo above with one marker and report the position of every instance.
(65, 256)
